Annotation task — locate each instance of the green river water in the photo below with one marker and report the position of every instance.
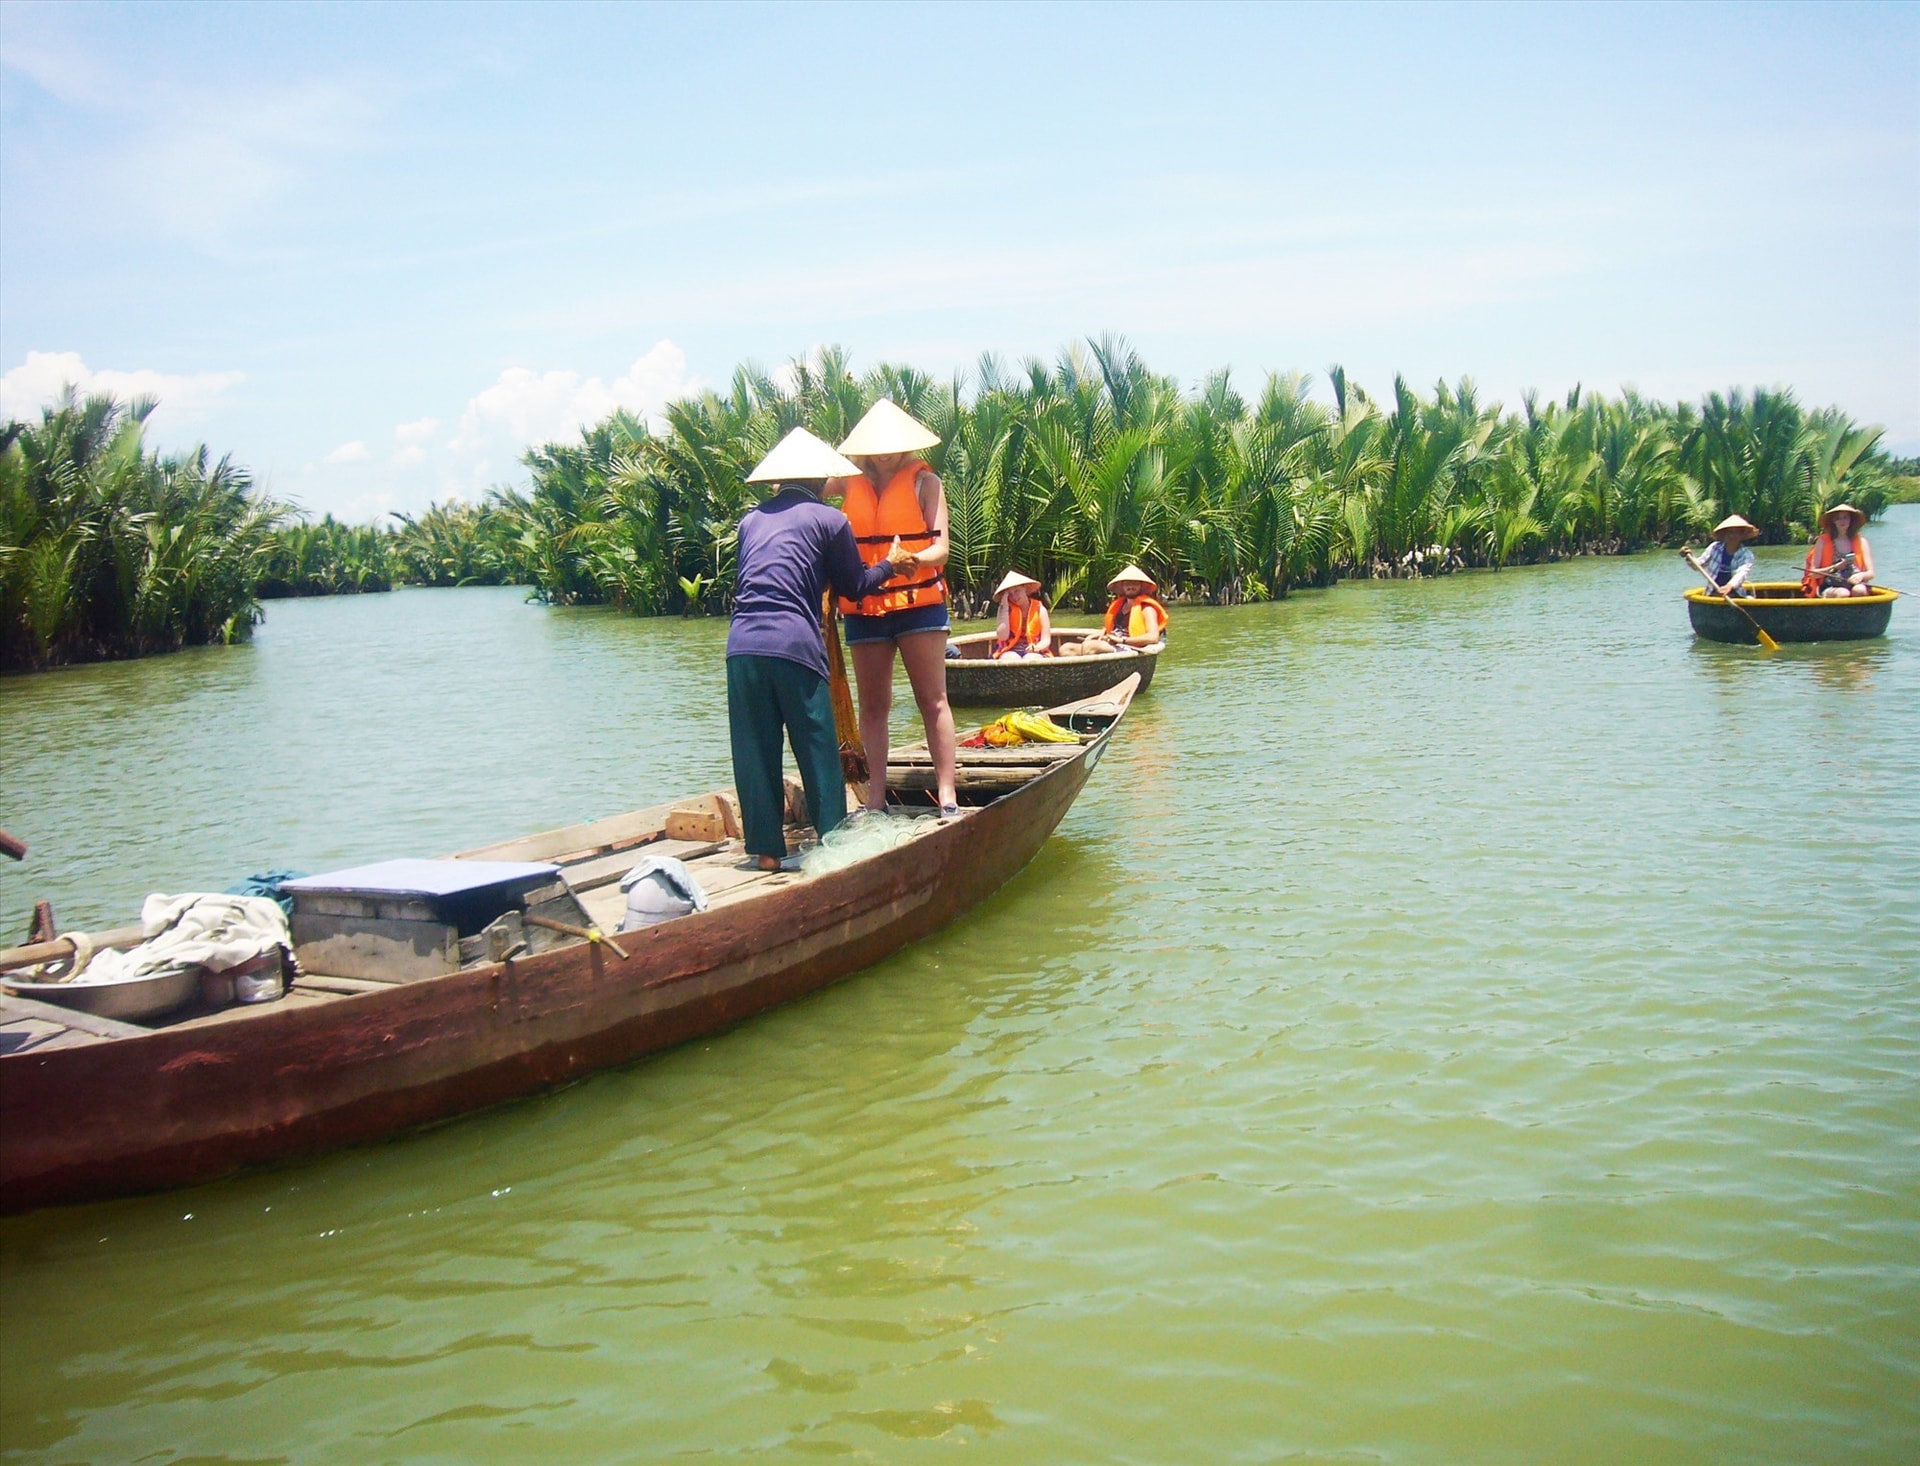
(1461, 1021)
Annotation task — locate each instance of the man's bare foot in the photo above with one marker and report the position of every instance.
(768, 862)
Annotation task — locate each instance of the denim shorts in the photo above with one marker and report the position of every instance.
(896, 624)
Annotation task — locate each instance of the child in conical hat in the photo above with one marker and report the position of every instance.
(1024, 629)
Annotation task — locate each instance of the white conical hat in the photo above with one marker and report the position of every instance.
(1859, 519)
(1737, 524)
(886, 429)
(1132, 572)
(801, 456)
(1014, 577)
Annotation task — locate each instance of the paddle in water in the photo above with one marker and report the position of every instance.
(1758, 630)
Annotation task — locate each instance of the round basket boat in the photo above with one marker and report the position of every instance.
(975, 679)
(1789, 615)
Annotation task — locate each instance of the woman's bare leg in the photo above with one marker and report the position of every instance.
(873, 676)
(925, 654)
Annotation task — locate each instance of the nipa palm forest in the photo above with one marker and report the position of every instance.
(1066, 470)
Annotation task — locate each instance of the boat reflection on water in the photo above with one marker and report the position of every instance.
(1847, 667)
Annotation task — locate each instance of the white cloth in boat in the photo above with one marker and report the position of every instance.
(195, 930)
(658, 889)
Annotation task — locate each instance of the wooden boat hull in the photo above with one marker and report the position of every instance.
(975, 680)
(173, 1107)
(1787, 615)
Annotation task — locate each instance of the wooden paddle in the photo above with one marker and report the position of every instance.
(585, 933)
(1758, 630)
(35, 953)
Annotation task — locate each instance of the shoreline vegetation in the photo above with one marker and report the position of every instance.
(1068, 470)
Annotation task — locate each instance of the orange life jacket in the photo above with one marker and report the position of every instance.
(1023, 626)
(1821, 553)
(1134, 609)
(876, 520)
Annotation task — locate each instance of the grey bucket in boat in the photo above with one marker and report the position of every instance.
(659, 889)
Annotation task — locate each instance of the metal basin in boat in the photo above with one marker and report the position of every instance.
(140, 997)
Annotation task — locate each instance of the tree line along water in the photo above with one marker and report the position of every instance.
(1067, 470)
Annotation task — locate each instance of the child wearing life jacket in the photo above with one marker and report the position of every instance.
(1136, 616)
(1839, 563)
(1727, 562)
(1025, 629)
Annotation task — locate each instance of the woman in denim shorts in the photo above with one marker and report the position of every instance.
(897, 494)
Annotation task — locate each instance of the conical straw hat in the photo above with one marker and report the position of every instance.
(886, 429)
(1014, 577)
(1859, 516)
(1734, 521)
(801, 457)
(1132, 572)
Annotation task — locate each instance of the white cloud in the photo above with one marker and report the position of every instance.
(368, 508)
(37, 381)
(204, 164)
(352, 452)
(413, 438)
(524, 408)
(64, 72)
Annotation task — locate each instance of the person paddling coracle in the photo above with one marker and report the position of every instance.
(1024, 629)
(1839, 562)
(1727, 562)
(892, 496)
(792, 547)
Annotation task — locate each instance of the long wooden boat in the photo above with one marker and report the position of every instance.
(93, 1107)
(1788, 615)
(975, 679)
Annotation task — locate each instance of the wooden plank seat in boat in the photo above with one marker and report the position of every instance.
(1021, 754)
(595, 871)
(19, 1034)
(27, 1023)
(980, 773)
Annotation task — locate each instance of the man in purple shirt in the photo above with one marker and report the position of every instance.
(792, 547)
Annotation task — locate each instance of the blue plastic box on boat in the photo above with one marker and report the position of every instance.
(463, 893)
(412, 918)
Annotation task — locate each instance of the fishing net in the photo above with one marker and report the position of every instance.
(862, 836)
(846, 720)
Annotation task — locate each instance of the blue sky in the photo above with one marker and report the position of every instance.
(375, 250)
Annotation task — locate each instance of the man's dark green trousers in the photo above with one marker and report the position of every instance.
(764, 695)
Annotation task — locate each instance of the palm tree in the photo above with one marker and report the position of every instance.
(1070, 467)
(107, 550)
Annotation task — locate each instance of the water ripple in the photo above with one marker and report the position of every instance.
(1438, 1033)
